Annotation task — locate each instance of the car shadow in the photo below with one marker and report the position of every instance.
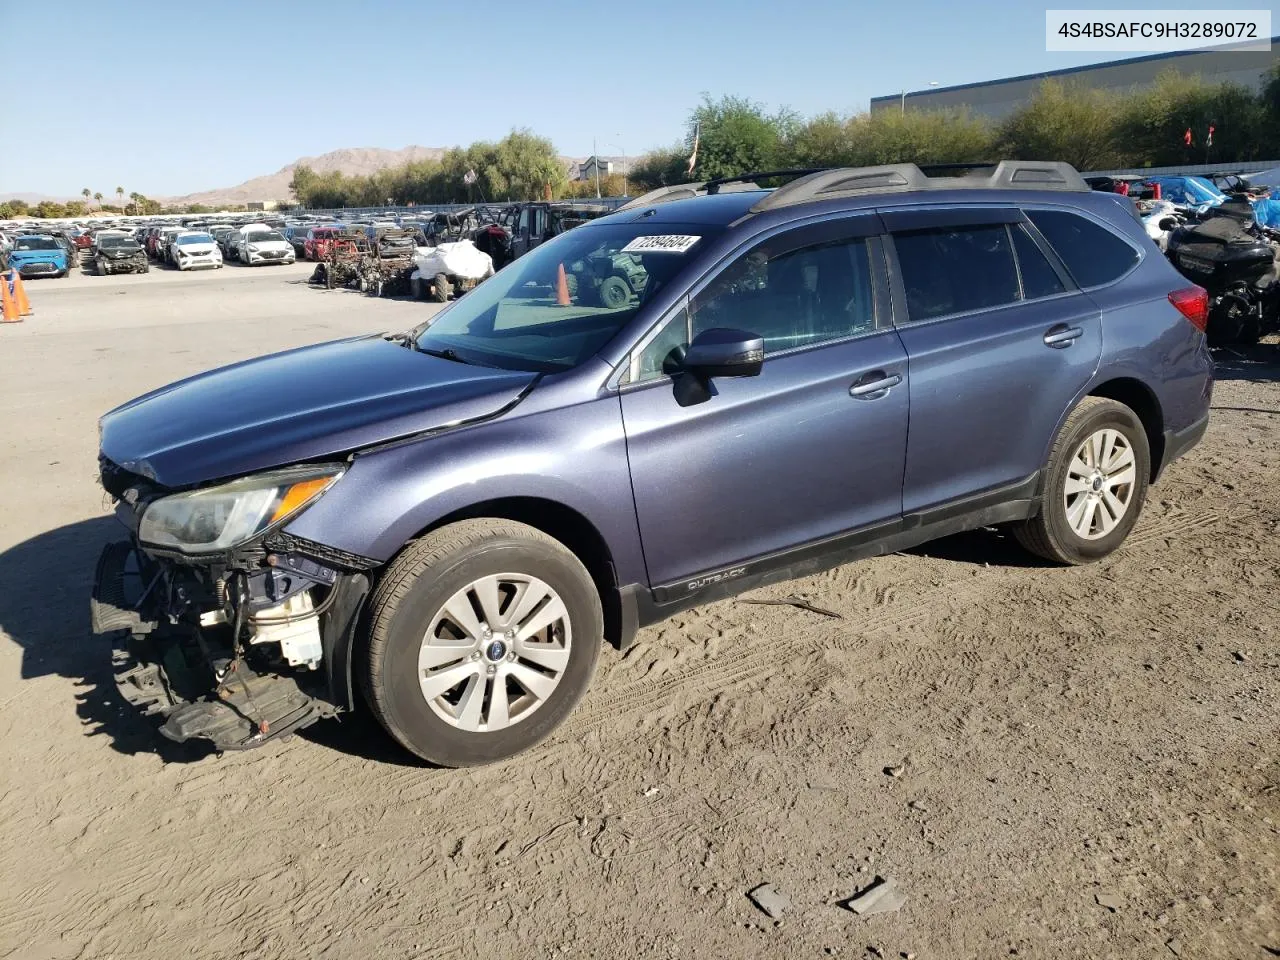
(44, 609)
(1257, 363)
(989, 546)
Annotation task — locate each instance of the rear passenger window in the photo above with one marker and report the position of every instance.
(1092, 253)
(956, 269)
(1039, 279)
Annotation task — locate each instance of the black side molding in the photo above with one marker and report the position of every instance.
(1004, 504)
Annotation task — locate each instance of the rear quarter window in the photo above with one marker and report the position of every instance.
(1092, 254)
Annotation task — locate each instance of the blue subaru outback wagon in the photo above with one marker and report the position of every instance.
(717, 386)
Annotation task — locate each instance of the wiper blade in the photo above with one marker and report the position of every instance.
(445, 354)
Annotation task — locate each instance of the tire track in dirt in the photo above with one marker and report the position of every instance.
(896, 609)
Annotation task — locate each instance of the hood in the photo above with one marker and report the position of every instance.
(38, 256)
(305, 404)
(268, 244)
(196, 248)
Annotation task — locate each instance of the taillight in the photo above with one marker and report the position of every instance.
(1192, 303)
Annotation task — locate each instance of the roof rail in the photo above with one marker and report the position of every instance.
(678, 191)
(713, 186)
(907, 177)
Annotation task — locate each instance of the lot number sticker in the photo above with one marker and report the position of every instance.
(662, 243)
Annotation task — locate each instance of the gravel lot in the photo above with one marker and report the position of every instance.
(1048, 762)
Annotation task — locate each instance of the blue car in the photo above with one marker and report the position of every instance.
(719, 386)
(37, 255)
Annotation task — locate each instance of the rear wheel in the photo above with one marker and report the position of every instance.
(441, 287)
(483, 637)
(614, 292)
(1094, 485)
(417, 289)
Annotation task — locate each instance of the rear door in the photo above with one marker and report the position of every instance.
(1000, 342)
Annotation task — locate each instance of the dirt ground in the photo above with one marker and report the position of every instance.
(1087, 760)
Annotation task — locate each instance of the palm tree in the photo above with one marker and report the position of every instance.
(86, 193)
(120, 197)
(137, 201)
(98, 197)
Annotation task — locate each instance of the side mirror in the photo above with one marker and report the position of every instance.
(721, 352)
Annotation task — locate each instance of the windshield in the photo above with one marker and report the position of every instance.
(519, 319)
(36, 243)
(264, 237)
(114, 241)
(194, 238)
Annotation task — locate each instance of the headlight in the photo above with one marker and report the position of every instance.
(252, 248)
(219, 518)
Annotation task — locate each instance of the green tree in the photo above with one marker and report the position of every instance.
(49, 210)
(1066, 122)
(86, 193)
(1155, 120)
(74, 208)
(736, 135)
(136, 206)
(120, 196)
(889, 136)
(98, 198)
(663, 167)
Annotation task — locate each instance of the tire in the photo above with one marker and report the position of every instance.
(146, 268)
(1051, 533)
(409, 603)
(417, 289)
(329, 279)
(441, 288)
(102, 269)
(614, 293)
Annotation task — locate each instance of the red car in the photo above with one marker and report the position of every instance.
(318, 242)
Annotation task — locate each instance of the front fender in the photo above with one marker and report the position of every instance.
(574, 455)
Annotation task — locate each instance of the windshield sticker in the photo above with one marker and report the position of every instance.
(663, 243)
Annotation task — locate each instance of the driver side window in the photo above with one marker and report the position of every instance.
(792, 296)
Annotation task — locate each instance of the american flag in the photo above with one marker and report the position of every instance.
(470, 177)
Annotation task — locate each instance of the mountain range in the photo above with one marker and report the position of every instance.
(275, 186)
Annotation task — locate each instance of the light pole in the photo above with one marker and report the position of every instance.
(622, 150)
(595, 159)
(932, 83)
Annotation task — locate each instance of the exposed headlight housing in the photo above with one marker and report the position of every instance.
(219, 518)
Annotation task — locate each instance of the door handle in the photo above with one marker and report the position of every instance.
(1062, 336)
(873, 385)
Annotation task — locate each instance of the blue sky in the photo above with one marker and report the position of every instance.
(176, 98)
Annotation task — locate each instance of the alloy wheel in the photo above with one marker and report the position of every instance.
(495, 652)
(1100, 483)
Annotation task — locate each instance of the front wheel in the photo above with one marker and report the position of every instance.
(440, 288)
(483, 636)
(1093, 487)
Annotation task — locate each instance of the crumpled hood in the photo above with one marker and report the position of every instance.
(303, 404)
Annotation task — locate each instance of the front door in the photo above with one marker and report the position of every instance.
(812, 447)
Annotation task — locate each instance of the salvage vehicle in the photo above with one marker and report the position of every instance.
(345, 250)
(263, 246)
(38, 255)
(316, 246)
(454, 519)
(448, 270)
(390, 262)
(536, 223)
(164, 244)
(1238, 262)
(120, 253)
(195, 250)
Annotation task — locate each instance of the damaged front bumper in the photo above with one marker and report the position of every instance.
(237, 650)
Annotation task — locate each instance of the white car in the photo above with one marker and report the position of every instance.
(265, 246)
(194, 250)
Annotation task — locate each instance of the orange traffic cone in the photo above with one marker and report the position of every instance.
(562, 288)
(8, 307)
(20, 295)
